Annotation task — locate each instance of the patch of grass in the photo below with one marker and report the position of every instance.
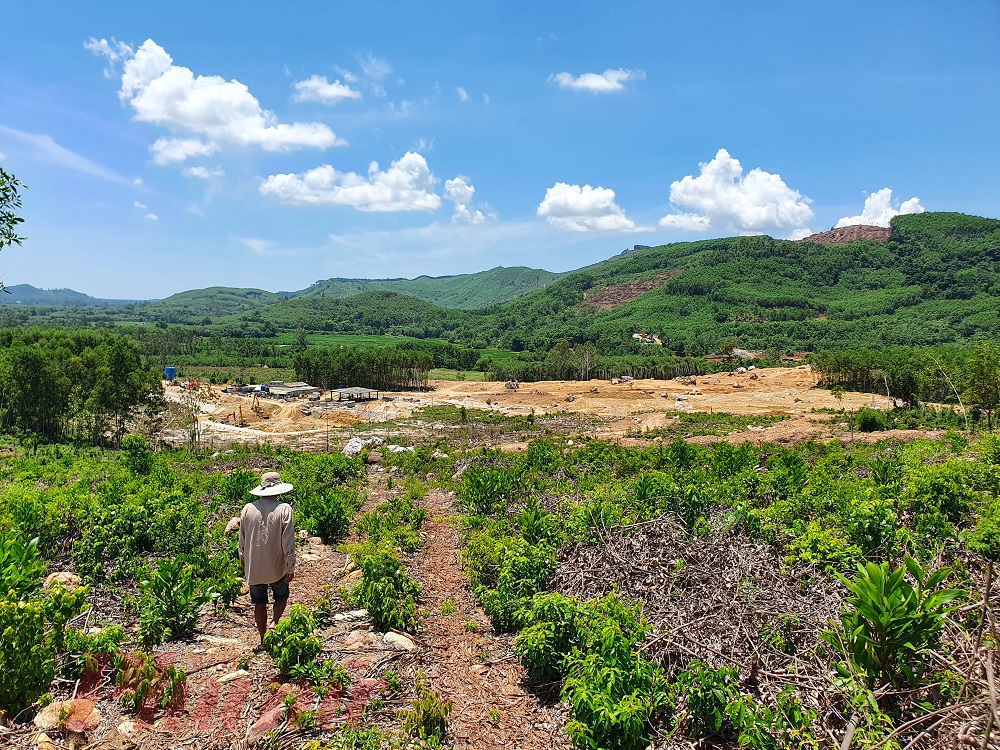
(692, 424)
(441, 373)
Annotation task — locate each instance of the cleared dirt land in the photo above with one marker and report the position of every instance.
(615, 409)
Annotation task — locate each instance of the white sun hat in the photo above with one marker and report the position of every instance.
(270, 485)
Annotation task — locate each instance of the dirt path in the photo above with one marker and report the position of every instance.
(476, 669)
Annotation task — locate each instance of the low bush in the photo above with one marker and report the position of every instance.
(169, 604)
(427, 719)
(386, 592)
(292, 643)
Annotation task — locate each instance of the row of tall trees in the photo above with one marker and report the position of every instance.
(380, 368)
(81, 385)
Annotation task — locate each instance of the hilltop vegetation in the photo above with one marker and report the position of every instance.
(465, 292)
(935, 281)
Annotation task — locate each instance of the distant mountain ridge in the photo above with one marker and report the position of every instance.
(26, 294)
(459, 292)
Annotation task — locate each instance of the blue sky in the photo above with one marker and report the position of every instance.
(184, 145)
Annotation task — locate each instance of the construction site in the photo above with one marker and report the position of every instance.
(613, 409)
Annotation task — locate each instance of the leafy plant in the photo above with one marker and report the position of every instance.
(889, 625)
(169, 604)
(21, 567)
(703, 694)
(292, 643)
(427, 719)
(386, 592)
(139, 678)
(786, 726)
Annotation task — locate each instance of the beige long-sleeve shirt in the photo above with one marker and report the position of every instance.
(267, 541)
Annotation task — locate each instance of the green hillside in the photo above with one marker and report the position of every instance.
(25, 294)
(213, 302)
(464, 292)
(935, 281)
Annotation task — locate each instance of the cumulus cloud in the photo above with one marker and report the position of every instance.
(609, 81)
(463, 95)
(152, 217)
(407, 185)
(207, 110)
(721, 197)
(140, 205)
(878, 210)
(584, 209)
(203, 173)
(169, 150)
(461, 192)
(320, 89)
(114, 51)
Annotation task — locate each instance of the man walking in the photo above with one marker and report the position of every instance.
(267, 549)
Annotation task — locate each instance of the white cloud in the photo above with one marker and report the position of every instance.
(319, 89)
(203, 173)
(609, 81)
(463, 95)
(44, 148)
(486, 98)
(152, 217)
(256, 245)
(138, 204)
(722, 198)
(168, 150)
(114, 51)
(878, 210)
(460, 192)
(206, 107)
(137, 182)
(584, 209)
(406, 186)
(374, 68)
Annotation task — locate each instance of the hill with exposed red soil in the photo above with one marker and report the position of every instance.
(843, 235)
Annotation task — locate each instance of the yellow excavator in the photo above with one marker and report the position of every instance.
(258, 408)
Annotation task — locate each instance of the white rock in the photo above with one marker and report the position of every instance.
(311, 557)
(239, 673)
(356, 614)
(399, 641)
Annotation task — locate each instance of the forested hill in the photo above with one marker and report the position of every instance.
(936, 280)
(25, 294)
(196, 305)
(464, 292)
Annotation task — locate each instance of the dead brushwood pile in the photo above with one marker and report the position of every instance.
(727, 601)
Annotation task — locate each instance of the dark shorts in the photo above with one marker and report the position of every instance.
(279, 590)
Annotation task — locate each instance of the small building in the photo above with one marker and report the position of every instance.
(290, 390)
(356, 394)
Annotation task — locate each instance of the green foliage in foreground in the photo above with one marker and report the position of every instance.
(890, 625)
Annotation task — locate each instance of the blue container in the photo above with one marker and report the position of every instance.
(170, 373)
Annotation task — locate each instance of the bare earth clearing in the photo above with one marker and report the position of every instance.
(609, 410)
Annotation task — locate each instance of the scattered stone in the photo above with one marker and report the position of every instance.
(431, 475)
(352, 616)
(79, 715)
(355, 445)
(569, 442)
(358, 640)
(233, 526)
(439, 454)
(65, 578)
(303, 534)
(129, 729)
(216, 639)
(374, 458)
(400, 641)
(234, 675)
(353, 577)
(265, 724)
(401, 449)
(478, 668)
(311, 557)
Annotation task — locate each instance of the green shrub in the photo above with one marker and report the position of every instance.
(889, 625)
(522, 573)
(870, 420)
(81, 647)
(486, 490)
(169, 603)
(702, 695)
(32, 635)
(428, 717)
(137, 455)
(787, 726)
(21, 567)
(327, 515)
(386, 592)
(292, 643)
